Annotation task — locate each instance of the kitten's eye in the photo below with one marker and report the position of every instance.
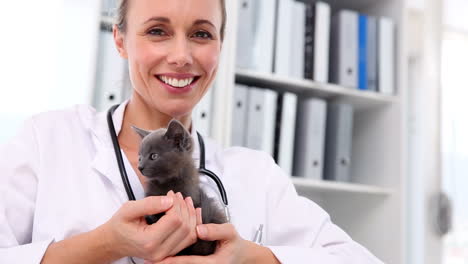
(154, 156)
(139, 158)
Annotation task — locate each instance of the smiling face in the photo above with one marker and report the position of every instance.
(173, 49)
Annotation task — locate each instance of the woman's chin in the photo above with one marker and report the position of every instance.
(178, 111)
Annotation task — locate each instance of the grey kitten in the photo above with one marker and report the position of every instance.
(165, 159)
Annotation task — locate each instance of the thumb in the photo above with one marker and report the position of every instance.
(147, 206)
(213, 232)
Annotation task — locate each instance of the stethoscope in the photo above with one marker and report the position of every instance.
(123, 173)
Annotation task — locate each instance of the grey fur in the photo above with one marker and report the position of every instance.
(174, 169)
(141, 132)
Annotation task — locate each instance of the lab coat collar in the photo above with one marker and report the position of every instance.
(104, 160)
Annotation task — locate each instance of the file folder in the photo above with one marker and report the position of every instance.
(310, 138)
(344, 49)
(338, 142)
(261, 119)
(239, 113)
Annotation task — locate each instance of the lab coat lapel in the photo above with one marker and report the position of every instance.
(104, 161)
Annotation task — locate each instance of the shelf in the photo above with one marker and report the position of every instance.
(309, 186)
(359, 99)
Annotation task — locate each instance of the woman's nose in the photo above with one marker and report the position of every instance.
(180, 53)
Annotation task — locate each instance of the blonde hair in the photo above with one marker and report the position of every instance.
(122, 11)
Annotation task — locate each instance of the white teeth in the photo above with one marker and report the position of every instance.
(182, 83)
(175, 82)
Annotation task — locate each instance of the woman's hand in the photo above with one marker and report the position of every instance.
(130, 235)
(231, 248)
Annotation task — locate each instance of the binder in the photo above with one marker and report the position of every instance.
(338, 142)
(239, 113)
(284, 38)
(310, 138)
(245, 34)
(287, 127)
(202, 114)
(263, 35)
(289, 61)
(371, 53)
(317, 41)
(297, 40)
(363, 51)
(290, 36)
(344, 49)
(261, 119)
(386, 56)
(112, 74)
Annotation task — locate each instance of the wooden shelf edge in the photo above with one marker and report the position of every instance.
(361, 99)
(342, 187)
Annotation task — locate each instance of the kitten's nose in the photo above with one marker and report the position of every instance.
(140, 167)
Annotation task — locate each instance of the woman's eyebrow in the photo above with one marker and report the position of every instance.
(203, 21)
(158, 19)
(168, 21)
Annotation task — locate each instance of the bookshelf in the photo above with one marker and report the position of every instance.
(309, 187)
(371, 208)
(358, 99)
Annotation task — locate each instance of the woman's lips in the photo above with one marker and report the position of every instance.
(179, 90)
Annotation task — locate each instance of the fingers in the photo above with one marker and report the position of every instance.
(188, 260)
(176, 206)
(213, 232)
(192, 212)
(176, 230)
(199, 216)
(147, 206)
(184, 211)
(166, 225)
(186, 234)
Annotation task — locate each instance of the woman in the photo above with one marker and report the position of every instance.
(62, 200)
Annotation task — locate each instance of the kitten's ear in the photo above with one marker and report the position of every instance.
(177, 133)
(143, 133)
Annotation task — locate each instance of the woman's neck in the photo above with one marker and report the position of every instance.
(138, 113)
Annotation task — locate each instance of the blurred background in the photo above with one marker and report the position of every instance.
(53, 56)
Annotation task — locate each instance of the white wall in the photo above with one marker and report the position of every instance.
(47, 57)
(424, 244)
(455, 14)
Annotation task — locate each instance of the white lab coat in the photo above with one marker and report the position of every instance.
(59, 177)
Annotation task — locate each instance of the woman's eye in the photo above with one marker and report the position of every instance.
(154, 156)
(203, 35)
(156, 32)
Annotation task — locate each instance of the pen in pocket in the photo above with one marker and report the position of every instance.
(258, 235)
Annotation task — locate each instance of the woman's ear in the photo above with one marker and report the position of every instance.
(119, 42)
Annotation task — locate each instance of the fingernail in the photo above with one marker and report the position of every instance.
(167, 201)
(180, 195)
(201, 230)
